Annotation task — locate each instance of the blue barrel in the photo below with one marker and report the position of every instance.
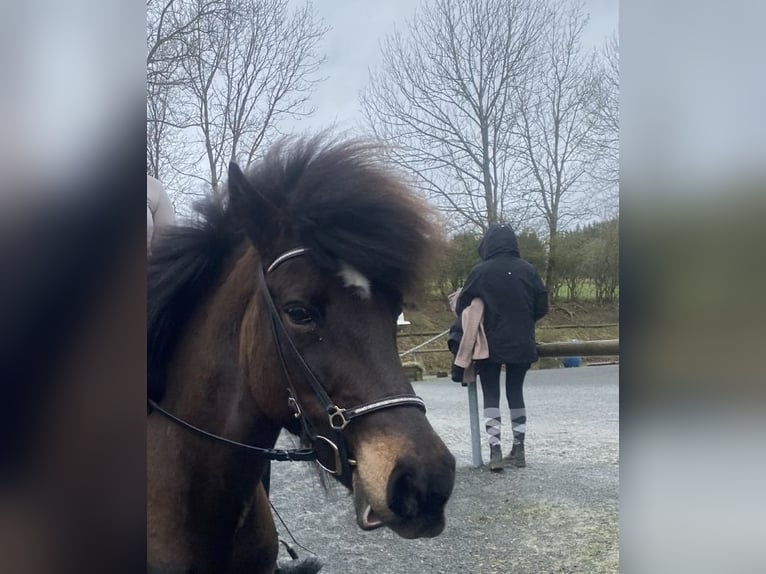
(570, 362)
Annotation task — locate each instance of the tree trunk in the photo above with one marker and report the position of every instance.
(487, 175)
(551, 265)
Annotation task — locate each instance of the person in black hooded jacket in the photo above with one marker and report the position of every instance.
(514, 299)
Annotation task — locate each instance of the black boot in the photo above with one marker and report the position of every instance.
(516, 457)
(495, 458)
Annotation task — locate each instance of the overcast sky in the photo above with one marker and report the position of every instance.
(352, 47)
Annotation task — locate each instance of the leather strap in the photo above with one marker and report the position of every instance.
(270, 453)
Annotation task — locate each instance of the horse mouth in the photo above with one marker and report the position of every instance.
(366, 517)
(403, 498)
(368, 520)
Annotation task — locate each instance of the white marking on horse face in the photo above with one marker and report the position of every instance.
(355, 280)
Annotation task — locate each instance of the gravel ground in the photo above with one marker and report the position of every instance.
(558, 515)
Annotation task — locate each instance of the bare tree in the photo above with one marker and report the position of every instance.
(443, 99)
(221, 74)
(168, 155)
(157, 110)
(556, 131)
(606, 114)
(245, 69)
(170, 25)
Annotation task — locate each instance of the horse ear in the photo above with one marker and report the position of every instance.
(258, 215)
(240, 190)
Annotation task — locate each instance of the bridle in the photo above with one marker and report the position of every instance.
(337, 417)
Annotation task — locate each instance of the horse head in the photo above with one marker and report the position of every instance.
(335, 242)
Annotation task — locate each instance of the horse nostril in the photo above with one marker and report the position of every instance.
(405, 492)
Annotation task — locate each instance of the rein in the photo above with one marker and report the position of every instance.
(338, 417)
(270, 453)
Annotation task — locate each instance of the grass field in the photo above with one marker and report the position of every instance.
(586, 291)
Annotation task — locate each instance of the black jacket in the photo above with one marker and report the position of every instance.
(513, 293)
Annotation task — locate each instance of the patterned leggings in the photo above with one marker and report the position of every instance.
(489, 374)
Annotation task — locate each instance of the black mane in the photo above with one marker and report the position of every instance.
(338, 199)
(346, 206)
(184, 263)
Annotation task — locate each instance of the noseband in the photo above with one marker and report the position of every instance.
(337, 417)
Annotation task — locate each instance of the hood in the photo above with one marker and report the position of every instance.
(499, 239)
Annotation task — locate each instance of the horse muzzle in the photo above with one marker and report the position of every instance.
(408, 494)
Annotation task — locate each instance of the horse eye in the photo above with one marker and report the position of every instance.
(299, 315)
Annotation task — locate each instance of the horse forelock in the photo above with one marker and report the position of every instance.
(341, 202)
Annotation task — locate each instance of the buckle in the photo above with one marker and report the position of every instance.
(294, 406)
(338, 421)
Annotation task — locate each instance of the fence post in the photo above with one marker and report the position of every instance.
(473, 414)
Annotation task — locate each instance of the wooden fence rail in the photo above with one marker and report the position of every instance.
(579, 348)
(541, 327)
(564, 349)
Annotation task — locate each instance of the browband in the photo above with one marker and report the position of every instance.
(285, 256)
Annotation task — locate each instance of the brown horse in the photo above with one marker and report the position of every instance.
(279, 311)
